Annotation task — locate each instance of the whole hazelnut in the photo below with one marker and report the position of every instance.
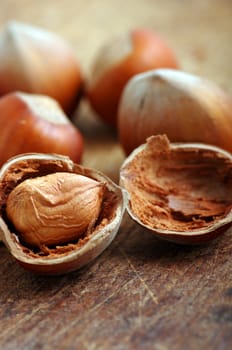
(185, 107)
(123, 57)
(35, 60)
(36, 123)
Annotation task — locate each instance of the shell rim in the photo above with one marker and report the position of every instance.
(190, 233)
(96, 238)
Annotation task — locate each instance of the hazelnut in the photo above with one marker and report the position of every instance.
(185, 107)
(120, 59)
(179, 191)
(37, 61)
(54, 209)
(57, 216)
(36, 123)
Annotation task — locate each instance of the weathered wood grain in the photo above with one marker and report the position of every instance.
(141, 293)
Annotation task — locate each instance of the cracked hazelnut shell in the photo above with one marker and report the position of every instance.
(64, 257)
(181, 192)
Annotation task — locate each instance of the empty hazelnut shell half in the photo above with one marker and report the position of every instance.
(67, 256)
(182, 192)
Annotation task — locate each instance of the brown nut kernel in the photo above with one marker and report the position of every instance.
(179, 191)
(85, 206)
(54, 209)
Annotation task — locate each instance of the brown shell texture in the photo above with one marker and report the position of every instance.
(182, 192)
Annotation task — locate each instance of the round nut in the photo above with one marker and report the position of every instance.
(120, 59)
(36, 123)
(50, 253)
(179, 191)
(185, 107)
(37, 61)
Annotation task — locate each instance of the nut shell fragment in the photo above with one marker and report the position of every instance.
(60, 258)
(182, 192)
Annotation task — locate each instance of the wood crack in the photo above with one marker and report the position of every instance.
(151, 294)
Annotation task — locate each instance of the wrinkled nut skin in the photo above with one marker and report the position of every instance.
(36, 123)
(181, 192)
(138, 51)
(185, 107)
(61, 258)
(54, 209)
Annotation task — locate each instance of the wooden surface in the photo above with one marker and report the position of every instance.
(141, 293)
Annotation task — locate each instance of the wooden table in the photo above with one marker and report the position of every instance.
(141, 293)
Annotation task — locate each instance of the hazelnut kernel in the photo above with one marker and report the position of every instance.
(54, 209)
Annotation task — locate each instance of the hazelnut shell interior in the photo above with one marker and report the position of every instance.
(68, 257)
(182, 192)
